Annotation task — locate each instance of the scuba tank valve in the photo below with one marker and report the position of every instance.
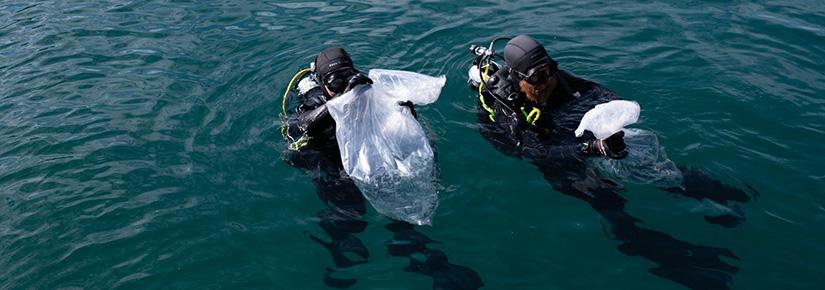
(482, 68)
(481, 51)
(474, 75)
(482, 64)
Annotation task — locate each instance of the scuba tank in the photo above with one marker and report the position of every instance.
(483, 67)
(482, 62)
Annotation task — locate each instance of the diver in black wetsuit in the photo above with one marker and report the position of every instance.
(310, 136)
(522, 98)
(529, 109)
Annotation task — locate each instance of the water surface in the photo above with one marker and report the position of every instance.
(140, 146)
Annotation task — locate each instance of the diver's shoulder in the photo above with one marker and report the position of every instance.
(500, 78)
(501, 83)
(594, 91)
(572, 77)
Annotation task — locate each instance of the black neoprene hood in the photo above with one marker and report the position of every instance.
(523, 53)
(332, 59)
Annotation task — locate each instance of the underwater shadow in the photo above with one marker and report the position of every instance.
(699, 185)
(691, 265)
(411, 244)
(342, 219)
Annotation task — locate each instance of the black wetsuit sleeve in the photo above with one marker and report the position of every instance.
(509, 136)
(313, 115)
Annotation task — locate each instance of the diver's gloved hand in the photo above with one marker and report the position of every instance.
(613, 147)
(356, 80)
(410, 106)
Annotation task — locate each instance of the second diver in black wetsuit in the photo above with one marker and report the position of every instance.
(529, 109)
(310, 136)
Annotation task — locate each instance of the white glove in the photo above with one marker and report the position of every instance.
(305, 85)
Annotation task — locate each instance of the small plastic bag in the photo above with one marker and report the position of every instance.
(608, 118)
(383, 147)
(646, 162)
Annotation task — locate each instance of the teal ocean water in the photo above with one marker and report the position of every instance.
(139, 146)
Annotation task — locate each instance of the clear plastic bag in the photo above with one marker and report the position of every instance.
(409, 86)
(608, 118)
(646, 162)
(383, 147)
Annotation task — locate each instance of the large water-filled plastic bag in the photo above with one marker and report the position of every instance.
(646, 161)
(383, 147)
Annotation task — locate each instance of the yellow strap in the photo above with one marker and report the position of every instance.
(481, 96)
(283, 102)
(533, 116)
(300, 143)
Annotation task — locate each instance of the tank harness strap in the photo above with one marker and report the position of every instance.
(303, 140)
(300, 143)
(481, 96)
(533, 116)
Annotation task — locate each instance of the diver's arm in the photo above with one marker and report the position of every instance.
(311, 122)
(612, 147)
(313, 115)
